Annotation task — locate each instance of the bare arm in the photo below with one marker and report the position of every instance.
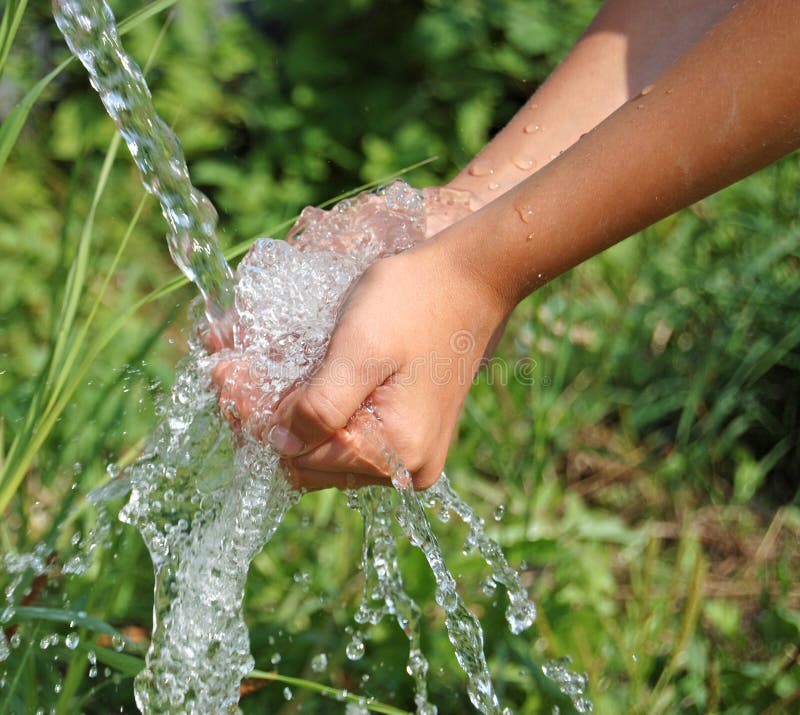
(624, 49)
(729, 106)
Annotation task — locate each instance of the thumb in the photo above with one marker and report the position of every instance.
(315, 410)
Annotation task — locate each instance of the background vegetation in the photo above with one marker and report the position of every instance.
(649, 475)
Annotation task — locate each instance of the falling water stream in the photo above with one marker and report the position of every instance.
(206, 497)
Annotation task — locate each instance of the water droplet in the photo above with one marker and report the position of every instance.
(525, 213)
(319, 663)
(494, 186)
(531, 128)
(646, 90)
(480, 168)
(276, 658)
(530, 236)
(522, 163)
(72, 641)
(489, 587)
(287, 693)
(117, 643)
(355, 649)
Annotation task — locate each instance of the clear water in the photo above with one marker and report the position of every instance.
(206, 499)
(90, 32)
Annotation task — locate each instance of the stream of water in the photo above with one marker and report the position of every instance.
(205, 497)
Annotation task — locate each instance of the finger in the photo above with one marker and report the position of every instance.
(349, 450)
(314, 411)
(241, 402)
(426, 477)
(313, 480)
(219, 334)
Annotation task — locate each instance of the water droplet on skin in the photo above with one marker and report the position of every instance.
(522, 163)
(525, 213)
(646, 90)
(480, 168)
(494, 186)
(530, 236)
(531, 128)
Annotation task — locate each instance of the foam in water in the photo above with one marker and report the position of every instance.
(205, 497)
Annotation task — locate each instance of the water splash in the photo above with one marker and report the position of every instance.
(206, 497)
(572, 684)
(90, 31)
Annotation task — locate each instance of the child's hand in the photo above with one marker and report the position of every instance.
(410, 339)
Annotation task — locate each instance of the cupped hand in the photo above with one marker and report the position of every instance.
(408, 341)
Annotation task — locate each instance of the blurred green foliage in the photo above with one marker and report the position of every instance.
(649, 470)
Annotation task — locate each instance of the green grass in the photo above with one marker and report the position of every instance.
(648, 469)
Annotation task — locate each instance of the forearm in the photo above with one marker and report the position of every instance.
(627, 45)
(728, 106)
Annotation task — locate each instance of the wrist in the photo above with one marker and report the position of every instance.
(461, 251)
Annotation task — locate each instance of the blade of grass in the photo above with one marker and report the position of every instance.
(77, 279)
(51, 387)
(12, 686)
(15, 120)
(126, 664)
(691, 613)
(79, 618)
(8, 30)
(328, 691)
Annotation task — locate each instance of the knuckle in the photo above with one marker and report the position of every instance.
(428, 474)
(317, 410)
(414, 451)
(426, 478)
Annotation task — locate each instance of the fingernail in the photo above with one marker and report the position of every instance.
(283, 441)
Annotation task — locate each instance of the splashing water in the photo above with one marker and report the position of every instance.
(90, 32)
(205, 497)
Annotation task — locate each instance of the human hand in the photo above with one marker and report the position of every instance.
(409, 340)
